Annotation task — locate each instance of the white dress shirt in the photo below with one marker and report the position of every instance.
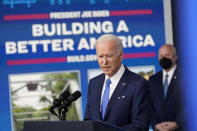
(170, 74)
(114, 81)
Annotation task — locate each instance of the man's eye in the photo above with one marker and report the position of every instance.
(110, 56)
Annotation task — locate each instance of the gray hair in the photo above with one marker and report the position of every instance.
(110, 37)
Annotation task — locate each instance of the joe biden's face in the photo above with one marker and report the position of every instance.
(109, 57)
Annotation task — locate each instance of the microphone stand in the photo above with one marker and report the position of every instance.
(64, 106)
(62, 110)
(64, 114)
(53, 112)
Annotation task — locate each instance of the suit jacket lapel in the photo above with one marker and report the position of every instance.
(160, 91)
(161, 87)
(99, 92)
(171, 85)
(118, 90)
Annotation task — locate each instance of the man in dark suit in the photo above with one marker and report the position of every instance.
(165, 92)
(118, 96)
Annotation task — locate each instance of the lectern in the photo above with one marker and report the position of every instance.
(69, 126)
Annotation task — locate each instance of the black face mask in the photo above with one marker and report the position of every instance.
(165, 63)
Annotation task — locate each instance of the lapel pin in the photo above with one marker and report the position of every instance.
(174, 77)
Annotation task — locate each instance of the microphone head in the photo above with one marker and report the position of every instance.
(65, 94)
(75, 95)
(55, 101)
(71, 98)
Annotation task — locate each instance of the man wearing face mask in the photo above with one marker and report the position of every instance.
(165, 92)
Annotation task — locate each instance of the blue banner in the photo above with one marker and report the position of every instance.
(48, 45)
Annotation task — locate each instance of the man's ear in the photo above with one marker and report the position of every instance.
(176, 57)
(121, 55)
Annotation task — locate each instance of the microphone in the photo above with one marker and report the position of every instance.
(71, 98)
(63, 96)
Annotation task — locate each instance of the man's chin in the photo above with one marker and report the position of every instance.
(106, 73)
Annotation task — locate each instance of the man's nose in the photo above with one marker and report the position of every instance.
(105, 61)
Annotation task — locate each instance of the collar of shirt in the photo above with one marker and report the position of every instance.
(170, 74)
(114, 81)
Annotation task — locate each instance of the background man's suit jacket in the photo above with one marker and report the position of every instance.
(168, 109)
(128, 106)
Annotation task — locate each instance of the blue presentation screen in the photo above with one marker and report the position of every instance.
(48, 45)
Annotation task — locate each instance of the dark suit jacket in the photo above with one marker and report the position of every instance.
(128, 106)
(168, 109)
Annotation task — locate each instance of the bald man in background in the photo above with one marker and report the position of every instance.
(165, 92)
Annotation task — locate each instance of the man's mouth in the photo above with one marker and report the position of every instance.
(106, 68)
